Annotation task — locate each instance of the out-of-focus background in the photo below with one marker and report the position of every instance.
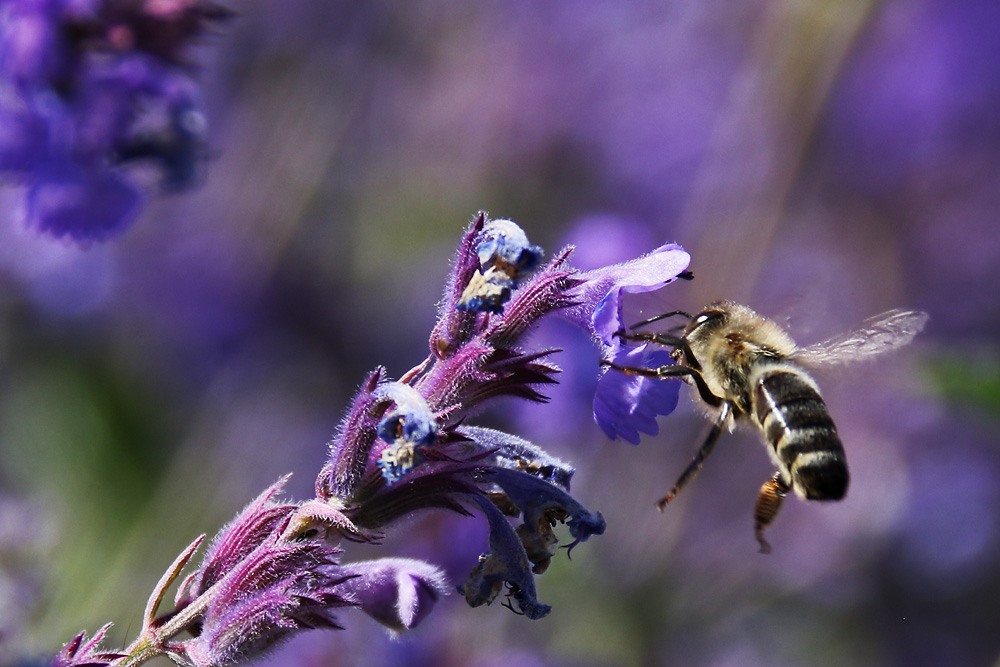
(822, 161)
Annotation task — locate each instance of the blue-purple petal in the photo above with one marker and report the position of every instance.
(397, 592)
(626, 405)
(83, 204)
(507, 563)
(600, 295)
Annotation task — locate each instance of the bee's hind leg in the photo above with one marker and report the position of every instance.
(772, 493)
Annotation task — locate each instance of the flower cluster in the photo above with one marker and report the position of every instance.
(88, 87)
(405, 446)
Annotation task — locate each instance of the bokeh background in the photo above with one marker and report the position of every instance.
(822, 160)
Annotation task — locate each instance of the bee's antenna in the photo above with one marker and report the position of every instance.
(657, 318)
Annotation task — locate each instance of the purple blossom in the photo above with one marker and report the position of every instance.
(601, 295)
(625, 405)
(90, 89)
(405, 446)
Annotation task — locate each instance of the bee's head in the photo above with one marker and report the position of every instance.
(706, 321)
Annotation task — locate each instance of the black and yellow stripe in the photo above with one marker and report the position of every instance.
(796, 422)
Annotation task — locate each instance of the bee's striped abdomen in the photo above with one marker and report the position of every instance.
(797, 423)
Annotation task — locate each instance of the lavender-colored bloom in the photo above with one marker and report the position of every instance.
(603, 290)
(91, 88)
(405, 446)
(494, 470)
(82, 203)
(625, 405)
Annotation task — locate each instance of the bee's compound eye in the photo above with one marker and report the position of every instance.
(707, 316)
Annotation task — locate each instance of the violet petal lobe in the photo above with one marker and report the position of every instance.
(397, 592)
(626, 405)
(600, 295)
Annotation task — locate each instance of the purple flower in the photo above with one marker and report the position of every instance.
(69, 200)
(602, 293)
(406, 446)
(93, 88)
(625, 405)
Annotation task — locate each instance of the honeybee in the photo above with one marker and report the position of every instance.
(746, 368)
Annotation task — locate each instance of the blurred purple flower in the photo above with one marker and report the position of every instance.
(91, 87)
(625, 405)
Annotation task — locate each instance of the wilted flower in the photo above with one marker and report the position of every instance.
(407, 428)
(87, 88)
(505, 257)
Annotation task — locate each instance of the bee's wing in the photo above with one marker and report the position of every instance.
(876, 335)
